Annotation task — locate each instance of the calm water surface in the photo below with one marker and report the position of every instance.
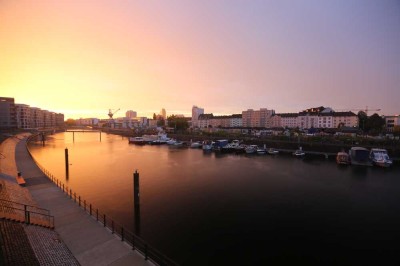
(210, 209)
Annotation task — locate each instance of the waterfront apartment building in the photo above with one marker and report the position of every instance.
(226, 121)
(87, 121)
(23, 114)
(347, 119)
(392, 122)
(7, 113)
(319, 117)
(25, 117)
(257, 118)
(309, 118)
(236, 120)
(285, 120)
(196, 112)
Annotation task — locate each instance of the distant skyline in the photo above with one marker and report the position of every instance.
(82, 58)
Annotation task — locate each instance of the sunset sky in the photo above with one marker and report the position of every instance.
(84, 57)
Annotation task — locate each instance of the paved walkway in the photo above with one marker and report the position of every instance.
(87, 239)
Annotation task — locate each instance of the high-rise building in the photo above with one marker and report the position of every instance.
(196, 111)
(163, 113)
(7, 113)
(23, 115)
(130, 114)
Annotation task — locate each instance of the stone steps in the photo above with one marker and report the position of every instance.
(13, 211)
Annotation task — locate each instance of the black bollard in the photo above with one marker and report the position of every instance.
(136, 195)
(100, 136)
(136, 188)
(66, 163)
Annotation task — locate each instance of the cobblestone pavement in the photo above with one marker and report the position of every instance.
(15, 245)
(48, 247)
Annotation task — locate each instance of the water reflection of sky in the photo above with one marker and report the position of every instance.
(299, 210)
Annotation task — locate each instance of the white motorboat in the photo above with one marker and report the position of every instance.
(380, 157)
(171, 141)
(207, 145)
(196, 145)
(178, 144)
(272, 151)
(299, 152)
(250, 149)
(262, 150)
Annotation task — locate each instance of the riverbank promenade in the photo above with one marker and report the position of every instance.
(87, 240)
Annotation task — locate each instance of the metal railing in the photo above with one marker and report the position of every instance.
(137, 243)
(26, 213)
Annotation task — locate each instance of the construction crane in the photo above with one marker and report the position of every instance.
(111, 113)
(361, 109)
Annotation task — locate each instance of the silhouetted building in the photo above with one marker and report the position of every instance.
(7, 113)
(131, 114)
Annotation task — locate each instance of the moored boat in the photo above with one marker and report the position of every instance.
(299, 152)
(261, 150)
(171, 141)
(207, 145)
(342, 158)
(250, 149)
(178, 144)
(157, 142)
(272, 151)
(219, 144)
(380, 157)
(231, 147)
(137, 141)
(359, 156)
(196, 145)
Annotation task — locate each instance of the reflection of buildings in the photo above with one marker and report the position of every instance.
(25, 117)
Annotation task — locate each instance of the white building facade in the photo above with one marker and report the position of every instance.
(196, 112)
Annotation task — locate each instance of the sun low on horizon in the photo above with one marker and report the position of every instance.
(85, 57)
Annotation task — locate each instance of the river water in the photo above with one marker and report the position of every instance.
(221, 209)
